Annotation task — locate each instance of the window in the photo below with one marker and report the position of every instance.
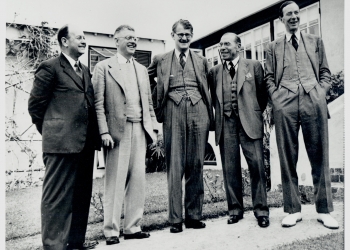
(309, 21)
(97, 54)
(254, 43)
(212, 55)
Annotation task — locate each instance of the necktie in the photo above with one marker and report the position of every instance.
(294, 42)
(182, 60)
(232, 70)
(78, 70)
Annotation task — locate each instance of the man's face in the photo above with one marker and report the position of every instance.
(228, 47)
(291, 18)
(75, 42)
(126, 42)
(182, 38)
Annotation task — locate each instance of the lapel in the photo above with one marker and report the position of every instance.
(86, 78)
(310, 51)
(140, 79)
(241, 73)
(279, 54)
(219, 79)
(67, 68)
(166, 68)
(114, 70)
(198, 66)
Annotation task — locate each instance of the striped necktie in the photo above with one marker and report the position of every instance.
(182, 60)
(78, 70)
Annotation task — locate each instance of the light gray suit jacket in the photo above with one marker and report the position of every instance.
(110, 100)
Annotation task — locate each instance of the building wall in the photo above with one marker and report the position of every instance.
(332, 29)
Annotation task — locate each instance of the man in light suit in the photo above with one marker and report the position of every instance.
(182, 103)
(298, 79)
(61, 105)
(239, 98)
(127, 123)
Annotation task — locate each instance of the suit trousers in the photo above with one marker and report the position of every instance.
(125, 177)
(232, 136)
(185, 129)
(308, 110)
(66, 197)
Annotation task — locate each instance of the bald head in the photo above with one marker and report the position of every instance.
(230, 45)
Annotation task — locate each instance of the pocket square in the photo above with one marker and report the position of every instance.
(248, 75)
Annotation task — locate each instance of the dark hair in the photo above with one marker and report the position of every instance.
(284, 5)
(124, 26)
(62, 32)
(237, 40)
(185, 23)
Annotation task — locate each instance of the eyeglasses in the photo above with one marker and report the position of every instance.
(181, 35)
(129, 38)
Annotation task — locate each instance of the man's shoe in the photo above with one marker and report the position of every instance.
(84, 246)
(196, 224)
(291, 219)
(112, 240)
(176, 228)
(263, 221)
(138, 235)
(234, 219)
(328, 221)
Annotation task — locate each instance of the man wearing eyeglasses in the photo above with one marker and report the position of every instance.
(182, 103)
(298, 80)
(239, 98)
(127, 123)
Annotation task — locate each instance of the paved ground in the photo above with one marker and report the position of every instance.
(244, 235)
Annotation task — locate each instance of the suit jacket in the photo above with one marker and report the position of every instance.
(110, 99)
(315, 50)
(251, 97)
(161, 67)
(58, 105)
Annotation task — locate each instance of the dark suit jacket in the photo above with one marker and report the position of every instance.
(110, 99)
(315, 51)
(58, 105)
(251, 97)
(161, 67)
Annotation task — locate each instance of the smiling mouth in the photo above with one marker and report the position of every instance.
(131, 45)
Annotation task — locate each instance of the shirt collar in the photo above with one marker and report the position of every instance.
(70, 60)
(234, 61)
(177, 54)
(289, 36)
(122, 59)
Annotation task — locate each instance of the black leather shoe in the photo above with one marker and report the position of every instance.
(263, 221)
(196, 224)
(138, 235)
(176, 228)
(84, 246)
(112, 240)
(234, 219)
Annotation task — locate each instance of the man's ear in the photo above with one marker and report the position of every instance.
(172, 34)
(64, 41)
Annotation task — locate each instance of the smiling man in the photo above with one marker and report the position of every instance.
(61, 105)
(182, 103)
(127, 123)
(298, 80)
(239, 99)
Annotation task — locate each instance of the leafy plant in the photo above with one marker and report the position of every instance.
(337, 88)
(97, 203)
(155, 156)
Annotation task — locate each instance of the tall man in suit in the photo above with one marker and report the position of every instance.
(61, 105)
(182, 103)
(239, 98)
(298, 79)
(127, 123)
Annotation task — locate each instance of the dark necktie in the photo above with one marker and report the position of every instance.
(182, 60)
(232, 70)
(294, 42)
(78, 70)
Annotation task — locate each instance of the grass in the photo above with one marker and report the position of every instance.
(328, 242)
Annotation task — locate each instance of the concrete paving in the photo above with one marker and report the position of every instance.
(246, 234)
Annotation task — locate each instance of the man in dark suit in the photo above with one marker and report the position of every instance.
(127, 123)
(298, 79)
(61, 105)
(239, 98)
(182, 103)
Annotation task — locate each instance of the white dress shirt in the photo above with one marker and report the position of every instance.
(297, 35)
(235, 63)
(177, 54)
